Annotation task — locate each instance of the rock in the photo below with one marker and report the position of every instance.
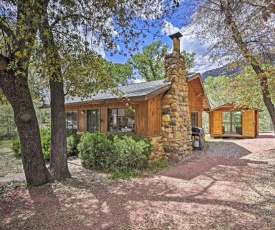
(152, 156)
(172, 157)
(166, 117)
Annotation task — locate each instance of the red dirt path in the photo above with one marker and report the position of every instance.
(231, 185)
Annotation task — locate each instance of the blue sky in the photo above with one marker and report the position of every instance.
(172, 26)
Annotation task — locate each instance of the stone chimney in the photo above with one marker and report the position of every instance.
(176, 128)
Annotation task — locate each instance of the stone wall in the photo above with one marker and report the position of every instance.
(175, 141)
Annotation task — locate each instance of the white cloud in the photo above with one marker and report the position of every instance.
(168, 28)
(191, 44)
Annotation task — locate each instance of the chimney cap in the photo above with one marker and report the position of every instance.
(177, 35)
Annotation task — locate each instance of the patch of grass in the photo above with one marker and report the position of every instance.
(124, 175)
(157, 166)
(5, 144)
(8, 163)
(128, 174)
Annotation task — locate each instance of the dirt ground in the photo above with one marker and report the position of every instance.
(230, 185)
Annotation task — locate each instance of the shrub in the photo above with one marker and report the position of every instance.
(129, 154)
(16, 148)
(72, 142)
(123, 156)
(94, 150)
(45, 135)
(45, 143)
(147, 149)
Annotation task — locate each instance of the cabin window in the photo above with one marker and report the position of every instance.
(93, 120)
(71, 121)
(232, 122)
(121, 120)
(194, 119)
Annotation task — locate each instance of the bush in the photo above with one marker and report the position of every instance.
(129, 154)
(123, 156)
(72, 142)
(94, 149)
(16, 148)
(147, 150)
(45, 135)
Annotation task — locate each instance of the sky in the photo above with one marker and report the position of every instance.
(187, 43)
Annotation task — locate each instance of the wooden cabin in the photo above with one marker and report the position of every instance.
(135, 108)
(231, 121)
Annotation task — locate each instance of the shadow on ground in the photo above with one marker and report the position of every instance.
(229, 154)
(228, 186)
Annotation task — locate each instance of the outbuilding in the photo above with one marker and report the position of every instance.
(229, 120)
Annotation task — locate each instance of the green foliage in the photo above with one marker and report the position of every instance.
(189, 59)
(120, 73)
(147, 149)
(149, 63)
(129, 154)
(122, 156)
(72, 142)
(7, 126)
(158, 165)
(243, 90)
(45, 135)
(125, 174)
(95, 149)
(16, 147)
(217, 90)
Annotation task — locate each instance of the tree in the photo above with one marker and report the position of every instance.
(243, 90)
(66, 27)
(19, 24)
(149, 63)
(237, 31)
(74, 29)
(218, 91)
(120, 73)
(189, 59)
(58, 157)
(268, 9)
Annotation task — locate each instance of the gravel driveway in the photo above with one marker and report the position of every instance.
(230, 185)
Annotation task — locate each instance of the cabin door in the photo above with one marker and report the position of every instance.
(217, 122)
(248, 121)
(93, 120)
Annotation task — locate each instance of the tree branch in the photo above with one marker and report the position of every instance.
(58, 19)
(6, 29)
(3, 63)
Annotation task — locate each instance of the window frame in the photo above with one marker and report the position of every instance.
(196, 119)
(120, 130)
(74, 122)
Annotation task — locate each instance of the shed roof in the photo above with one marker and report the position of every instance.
(232, 107)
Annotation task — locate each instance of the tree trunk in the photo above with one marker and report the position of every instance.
(262, 76)
(58, 162)
(58, 165)
(16, 89)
